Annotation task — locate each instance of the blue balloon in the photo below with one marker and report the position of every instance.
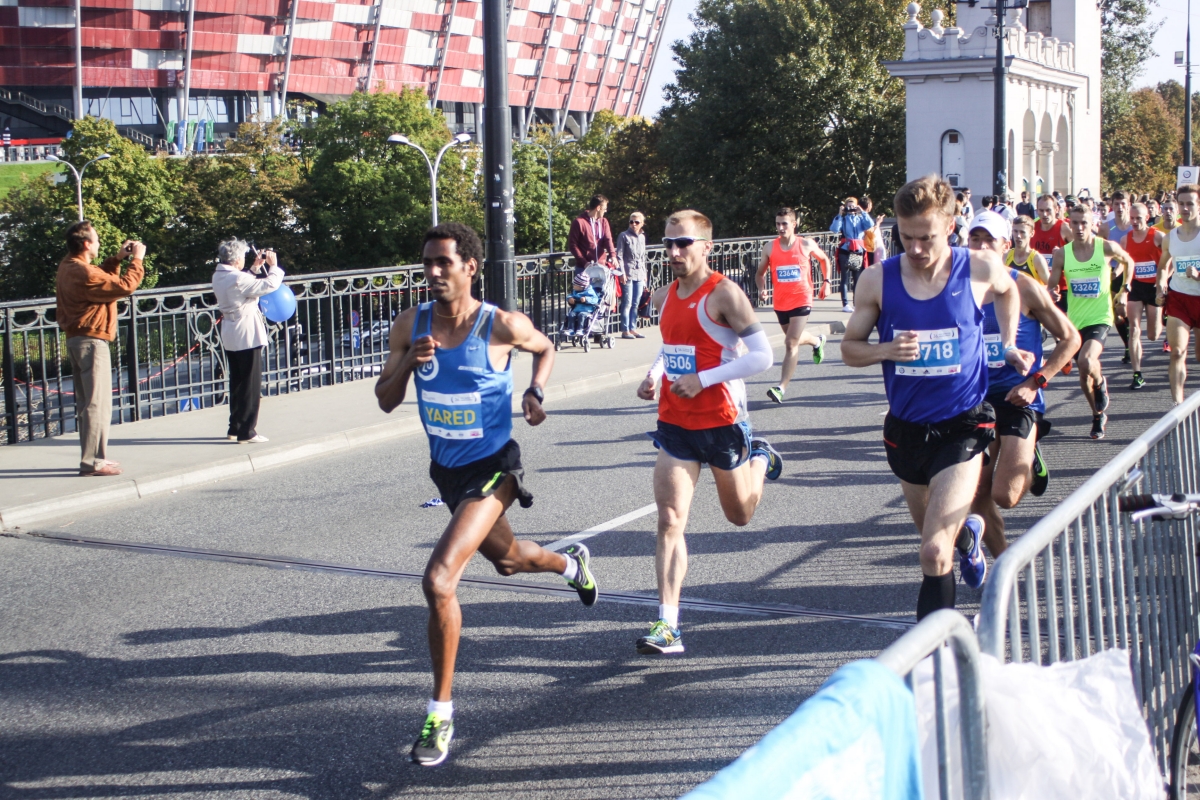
(279, 305)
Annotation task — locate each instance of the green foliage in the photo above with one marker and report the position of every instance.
(1126, 35)
(785, 102)
(1142, 144)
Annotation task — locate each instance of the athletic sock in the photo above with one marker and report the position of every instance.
(964, 541)
(1123, 331)
(572, 569)
(937, 592)
(444, 710)
(669, 614)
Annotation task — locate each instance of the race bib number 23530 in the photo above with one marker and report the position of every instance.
(939, 354)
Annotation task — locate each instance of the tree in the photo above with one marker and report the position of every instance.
(1143, 145)
(1125, 38)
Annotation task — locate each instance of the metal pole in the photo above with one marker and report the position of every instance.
(184, 112)
(78, 59)
(999, 136)
(550, 197)
(500, 274)
(287, 59)
(10, 380)
(1187, 94)
(374, 46)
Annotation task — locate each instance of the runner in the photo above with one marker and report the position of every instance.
(1169, 218)
(459, 349)
(1049, 234)
(789, 259)
(1016, 464)
(1115, 228)
(1091, 281)
(926, 305)
(1180, 264)
(705, 319)
(1144, 245)
(1022, 257)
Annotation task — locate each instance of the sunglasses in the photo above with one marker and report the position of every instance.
(682, 242)
(635, 222)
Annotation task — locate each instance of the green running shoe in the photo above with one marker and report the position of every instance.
(1041, 473)
(819, 350)
(584, 584)
(433, 745)
(775, 393)
(662, 638)
(1138, 381)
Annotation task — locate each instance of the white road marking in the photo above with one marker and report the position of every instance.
(616, 522)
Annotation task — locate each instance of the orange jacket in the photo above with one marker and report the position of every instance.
(87, 295)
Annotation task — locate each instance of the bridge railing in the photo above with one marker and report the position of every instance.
(168, 359)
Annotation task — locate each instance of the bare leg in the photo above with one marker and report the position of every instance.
(939, 511)
(794, 337)
(985, 506)
(1154, 322)
(1135, 334)
(1090, 375)
(740, 489)
(1178, 334)
(674, 484)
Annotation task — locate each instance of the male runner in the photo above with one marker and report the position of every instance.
(1144, 245)
(789, 260)
(1016, 464)
(1049, 234)
(927, 305)
(704, 319)
(1115, 228)
(1169, 218)
(459, 349)
(1021, 256)
(1180, 264)
(1091, 284)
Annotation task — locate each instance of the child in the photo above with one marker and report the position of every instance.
(582, 302)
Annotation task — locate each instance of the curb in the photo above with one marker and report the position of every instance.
(327, 444)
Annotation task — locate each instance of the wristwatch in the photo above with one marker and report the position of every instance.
(1040, 380)
(537, 393)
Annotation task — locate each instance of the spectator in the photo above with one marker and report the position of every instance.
(1003, 207)
(851, 223)
(1025, 208)
(968, 209)
(590, 240)
(631, 255)
(87, 313)
(988, 202)
(238, 283)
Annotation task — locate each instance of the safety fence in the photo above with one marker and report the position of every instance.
(167, 356)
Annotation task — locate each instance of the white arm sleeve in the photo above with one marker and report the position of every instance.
(657, 368)
(759, 359)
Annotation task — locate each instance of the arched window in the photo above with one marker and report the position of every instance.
(954, 157)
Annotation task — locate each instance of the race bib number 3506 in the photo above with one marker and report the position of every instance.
(680, 360)
(939, 354)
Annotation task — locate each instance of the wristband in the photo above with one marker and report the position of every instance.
(1007, 350)
(537, 393)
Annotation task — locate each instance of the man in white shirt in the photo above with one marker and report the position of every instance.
(243, 332)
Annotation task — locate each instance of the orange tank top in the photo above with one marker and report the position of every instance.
(1145, 257)
(692, 343)
(791, 276)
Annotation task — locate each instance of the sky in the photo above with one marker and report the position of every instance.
(1158, 69)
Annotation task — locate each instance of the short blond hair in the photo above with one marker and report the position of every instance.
(698, 220)
(1023, 220)
(637, 215)
(923, 195)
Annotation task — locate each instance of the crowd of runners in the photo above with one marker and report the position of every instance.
(968, 338)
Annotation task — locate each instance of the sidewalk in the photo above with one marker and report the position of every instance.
(40, 479)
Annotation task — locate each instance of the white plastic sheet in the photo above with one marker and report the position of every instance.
(1068, 731)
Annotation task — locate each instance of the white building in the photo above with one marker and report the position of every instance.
(1053, 100)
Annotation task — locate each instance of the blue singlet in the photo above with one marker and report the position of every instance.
(1002, 377)
(465, 403)
(950, 375)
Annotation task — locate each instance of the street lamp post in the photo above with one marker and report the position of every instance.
(78, 173)
(1000, 100)
(435, 165)
(549, 182)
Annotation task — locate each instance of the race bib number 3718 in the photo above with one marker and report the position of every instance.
(939, 354)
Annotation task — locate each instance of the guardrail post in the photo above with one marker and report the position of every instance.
(10, 379)
(131, 361)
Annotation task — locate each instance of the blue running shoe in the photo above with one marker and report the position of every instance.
(972, 566)
(661, 639)
(761, 447)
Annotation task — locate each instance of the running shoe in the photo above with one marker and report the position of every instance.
(1099, 423)
(1125, 358)
(662, 638)
(433, 745)
(1066, 370)
(761, 447)
(775, 393)
(972, 565)
(1041, 473)
(819, 350)
(1138, 381)
(1101, 395)
(1166, 347)
(849, 309)
(584, 584)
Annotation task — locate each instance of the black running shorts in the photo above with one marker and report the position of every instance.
(1143, 292)
(1012, 420)
(1097, 332)
(726, 447)
(481, 478)
(785, 317)
(918, 452)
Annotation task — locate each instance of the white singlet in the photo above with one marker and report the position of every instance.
(1182, 254)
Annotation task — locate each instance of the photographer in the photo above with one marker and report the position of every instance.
(242, 276)
(851, 223)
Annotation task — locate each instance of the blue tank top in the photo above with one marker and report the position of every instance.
(1002, 377)
(464, 402)
(950, 375)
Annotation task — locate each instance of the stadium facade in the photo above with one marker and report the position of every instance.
(133, 61)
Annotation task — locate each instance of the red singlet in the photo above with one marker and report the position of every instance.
(693, 342)
(1045, 241)
(1145, 256)
(791, 274)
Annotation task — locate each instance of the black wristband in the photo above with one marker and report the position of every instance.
(536, 392)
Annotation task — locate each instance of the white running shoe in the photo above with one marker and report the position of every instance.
(258, 439)
(849, 309)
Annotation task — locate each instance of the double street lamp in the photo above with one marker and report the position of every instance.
(78, 173)
(549, 182)
(435, 165)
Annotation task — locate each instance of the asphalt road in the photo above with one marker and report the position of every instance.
(129, 673)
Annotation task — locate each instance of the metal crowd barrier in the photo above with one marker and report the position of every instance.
(935, 634)
(1085, 578)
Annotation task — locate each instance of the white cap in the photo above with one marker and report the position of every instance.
(993, 223)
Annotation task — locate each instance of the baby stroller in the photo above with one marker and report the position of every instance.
(596, 324)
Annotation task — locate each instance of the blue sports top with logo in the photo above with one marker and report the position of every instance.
(465, 403)
(1001, 376)
(949, 376)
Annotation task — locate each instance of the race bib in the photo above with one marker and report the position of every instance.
(1084, 288)
(1183, 262)
(452, 416)
(1145, 270)
(995, 358)
(787, 274)
(938, 355)
(680, 360)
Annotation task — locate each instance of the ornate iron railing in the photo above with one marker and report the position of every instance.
(167, 357)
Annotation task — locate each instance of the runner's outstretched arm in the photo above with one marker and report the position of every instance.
(857, 351)
(516, 329)
(1056, 272)
(404, 357)
(1164, 270)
